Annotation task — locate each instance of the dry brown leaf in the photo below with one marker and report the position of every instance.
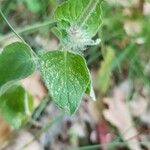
(118, 114)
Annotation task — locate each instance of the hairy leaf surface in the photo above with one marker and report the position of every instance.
(66, 77)
(69, 12)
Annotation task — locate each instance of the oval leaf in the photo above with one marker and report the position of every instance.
(15, 63)
(66, 77)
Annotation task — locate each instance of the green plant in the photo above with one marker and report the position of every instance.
(64, 71)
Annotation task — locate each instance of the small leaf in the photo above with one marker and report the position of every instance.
(66, 76)
(15, 63)
(68, 13)
(16, 106)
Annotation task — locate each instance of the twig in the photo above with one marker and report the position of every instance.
(29, 28)
(3, 16)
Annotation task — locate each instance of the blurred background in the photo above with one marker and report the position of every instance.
(120, 68)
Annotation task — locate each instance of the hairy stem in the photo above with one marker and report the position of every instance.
(3, 16)
(30, 28)
(13, 30)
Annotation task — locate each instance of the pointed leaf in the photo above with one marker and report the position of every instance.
(66, 76)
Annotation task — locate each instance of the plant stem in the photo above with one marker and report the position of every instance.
(29, 28)
(87, 12)
(3, 16)
(13, 30)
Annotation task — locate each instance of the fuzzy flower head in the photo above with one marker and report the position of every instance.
(78, 38)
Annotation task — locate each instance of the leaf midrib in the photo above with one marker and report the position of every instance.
(66, 81)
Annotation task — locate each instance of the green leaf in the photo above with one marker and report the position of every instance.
(34, 5)
(67, 77)
(104, 75)
(16, 106)
(69, 12)
(16, 63)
